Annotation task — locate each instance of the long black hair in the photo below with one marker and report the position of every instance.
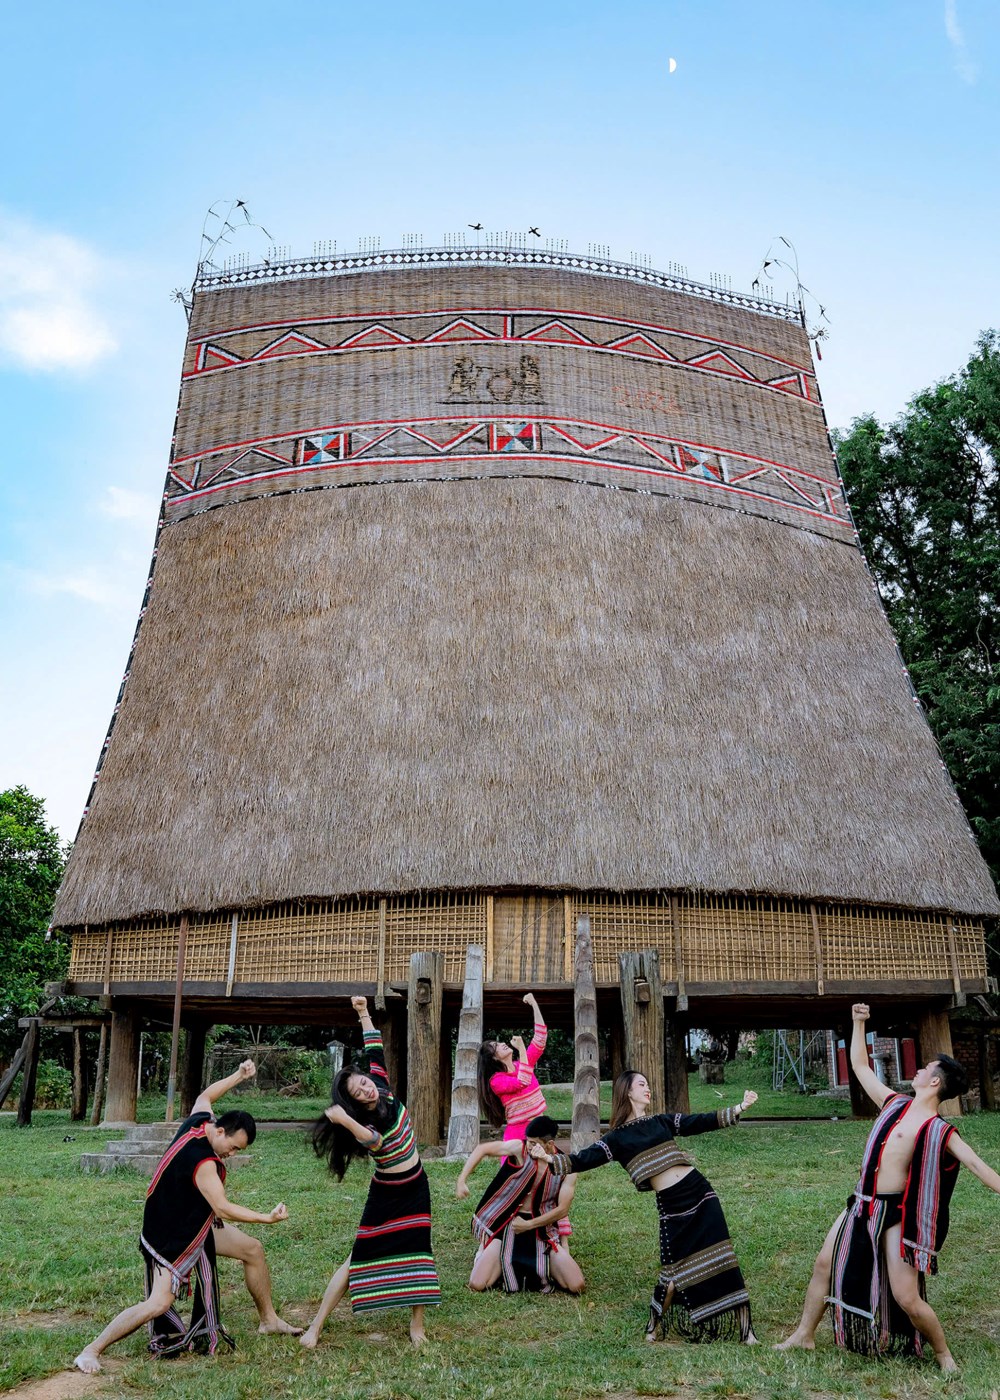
(334, 1142)
(487, 1066)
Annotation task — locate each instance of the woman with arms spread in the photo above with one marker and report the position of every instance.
(391, 1264)
(700, 1289)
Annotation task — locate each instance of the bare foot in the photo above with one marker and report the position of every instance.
(309, 1340)
(944, 1359)
(278, 1326)
(88, 1363)
(752, 1341)
(795, 1342)
(418, 1336)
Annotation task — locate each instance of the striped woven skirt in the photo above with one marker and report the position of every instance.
(391, 1263)
(710, 1301)
(169, 1334)
(866, 1317)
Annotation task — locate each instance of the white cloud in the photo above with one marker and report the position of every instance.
(119, 504)
(88, 583)
(964, 66)
(49, 289)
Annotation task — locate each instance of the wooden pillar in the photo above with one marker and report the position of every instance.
(393, 1029)
(933, 1039)
(175, 1030)
(193, 1066)
(423, 1045)
(987, 1093)
(642, 1018)
(861, 1104)
(78, 1107)
(123, 1066)
(99, 1074)
(616, 1048)
(586, 1080)
(26, 1098)
(675, 1061)
(13, 1069)
(463, 1125)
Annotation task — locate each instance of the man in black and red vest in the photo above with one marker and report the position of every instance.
(185, 1198)
(874, 1263)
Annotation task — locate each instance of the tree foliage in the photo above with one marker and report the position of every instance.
(925, 493)
(31, 866)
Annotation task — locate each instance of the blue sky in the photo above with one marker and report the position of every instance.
(863, 130)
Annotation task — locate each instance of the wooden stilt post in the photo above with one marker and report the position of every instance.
(933, 1039)
(586, 1080)
(423, 1045)
(78, 1107)
(643, 1021)
(616, 1047)
(14, 1069)
(675, 1064)
(463, 1126)
(393, 1029)
(987, 1093)
(123, 1066)
(99, 1072)
(193, 1067)
(26, 1098)
(176, 1028)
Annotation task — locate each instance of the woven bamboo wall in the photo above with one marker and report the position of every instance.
(529, 939)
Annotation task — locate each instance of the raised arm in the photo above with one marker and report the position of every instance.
(203, 1103)
(690, 1124)
(363, 1132)
(208, 1182)
(866, 1076)
(478, 1154)
(599, 1154)
(540, 1034)
(372, 1036)
(964, 1154)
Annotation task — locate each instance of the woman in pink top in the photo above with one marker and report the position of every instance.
(509, 1096)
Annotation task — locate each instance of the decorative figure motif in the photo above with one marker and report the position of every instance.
(501, 385)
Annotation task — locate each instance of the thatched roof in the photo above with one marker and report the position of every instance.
(489, 683)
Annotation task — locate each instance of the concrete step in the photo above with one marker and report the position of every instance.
(140, 1150)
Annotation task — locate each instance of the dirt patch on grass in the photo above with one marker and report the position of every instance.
(64, 1385)
(48, 1321)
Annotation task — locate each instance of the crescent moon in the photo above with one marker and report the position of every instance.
(672, 66)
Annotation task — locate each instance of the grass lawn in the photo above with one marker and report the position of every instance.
(69, 1261)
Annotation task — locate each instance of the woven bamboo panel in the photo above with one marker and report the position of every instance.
(970, 947)
(445, 923)
(326, 941)
(206, 956)
(529, 939)
(627, 923)
(145, 952)
(86, 958)
(861, 943)
(731, 938)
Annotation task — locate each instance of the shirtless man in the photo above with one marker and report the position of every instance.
(186, 1195)
(909, 1143)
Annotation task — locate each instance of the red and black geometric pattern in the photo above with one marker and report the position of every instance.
(455, 448)
(248, 345)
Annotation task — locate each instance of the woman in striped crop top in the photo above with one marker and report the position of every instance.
(509, 1094)
(391, 1264)
(700, 1289)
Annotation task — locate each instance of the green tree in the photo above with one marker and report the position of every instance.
(31, 866)
(926, 499)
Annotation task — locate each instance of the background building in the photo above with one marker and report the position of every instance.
(494, 587)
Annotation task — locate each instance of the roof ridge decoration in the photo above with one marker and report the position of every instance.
(290, 269)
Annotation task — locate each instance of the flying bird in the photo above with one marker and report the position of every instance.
(535, 232)
(477, 227)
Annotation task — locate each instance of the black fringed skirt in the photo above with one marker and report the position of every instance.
(710, 1301)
